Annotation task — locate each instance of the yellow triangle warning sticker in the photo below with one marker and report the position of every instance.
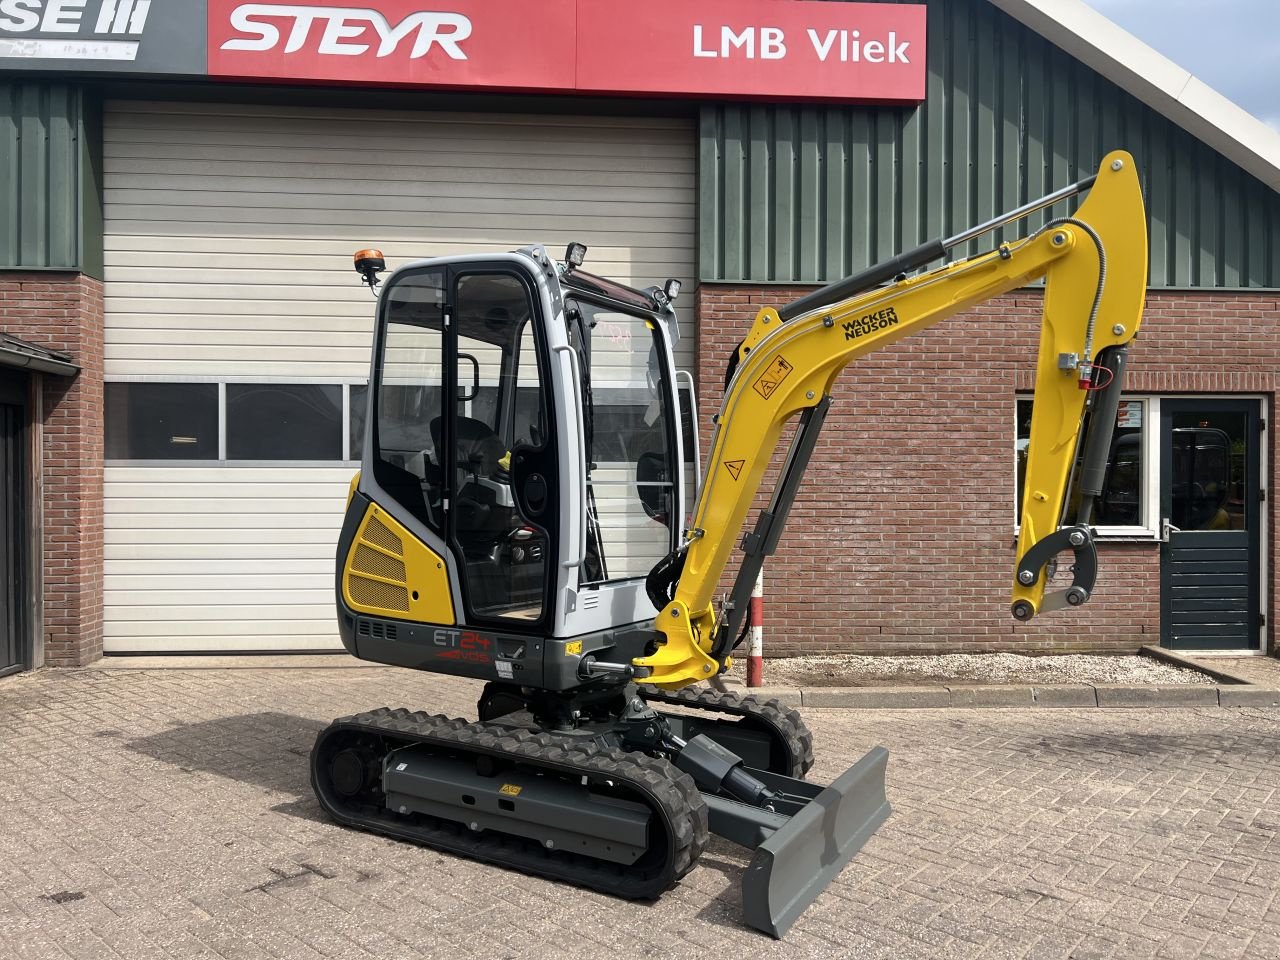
(734, 467)
(772, 378)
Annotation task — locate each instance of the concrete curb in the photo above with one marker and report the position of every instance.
(1104, 695)
(1186, 663)
(1230, 692)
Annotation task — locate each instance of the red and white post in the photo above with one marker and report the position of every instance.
(755, 623)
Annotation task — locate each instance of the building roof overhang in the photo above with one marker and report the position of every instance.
(1157, 81)
(27, 356)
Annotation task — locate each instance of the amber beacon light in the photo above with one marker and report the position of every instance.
(369, 263)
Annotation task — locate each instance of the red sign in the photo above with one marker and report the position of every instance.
(752, 48)
(454, 43)
(758, 48)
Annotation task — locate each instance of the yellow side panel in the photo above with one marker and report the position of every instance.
(390, 573)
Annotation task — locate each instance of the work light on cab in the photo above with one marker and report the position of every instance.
(575, 255)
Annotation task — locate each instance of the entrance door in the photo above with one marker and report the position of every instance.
(13, 536)
(1210, 596)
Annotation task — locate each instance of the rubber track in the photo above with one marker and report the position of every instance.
(670, 793)
(786, 723)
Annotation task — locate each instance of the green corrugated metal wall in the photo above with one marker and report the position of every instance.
(803, 193)
(44, 162)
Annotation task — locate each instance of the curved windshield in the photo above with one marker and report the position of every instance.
(631, 496)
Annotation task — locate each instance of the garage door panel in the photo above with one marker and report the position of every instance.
(395, 150)
(239, 488)
(157, 323)
(482, 185)
(242, 610)
(207, 568)
(318, 206)
(127, 584)
(292, 134)
(228, 241)
(266, 600)
(218, 542)
(162, 530)
(172, 629)
(242, 173)
(205, 343)
(284, 504)
(652, 246)
(250, 366)
(317, 273)
(215, 356)
(317, 478)
(188, 643)
(507, 229)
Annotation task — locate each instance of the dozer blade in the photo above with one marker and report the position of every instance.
(795, 864)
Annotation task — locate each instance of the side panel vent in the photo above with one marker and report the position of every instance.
(376, 532)
(389, 574)
(376, 577)
(377, 630)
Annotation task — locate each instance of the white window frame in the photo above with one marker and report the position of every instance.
(222, 460)
(1149, 529)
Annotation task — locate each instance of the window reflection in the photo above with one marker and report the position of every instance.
(1209, 479)
(1122, 502)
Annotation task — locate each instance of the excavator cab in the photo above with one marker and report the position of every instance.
(522, 442)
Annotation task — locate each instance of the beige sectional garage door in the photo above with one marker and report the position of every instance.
(229, 233)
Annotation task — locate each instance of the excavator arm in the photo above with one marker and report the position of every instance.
(1094, 265)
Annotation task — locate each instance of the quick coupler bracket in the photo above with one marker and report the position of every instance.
(1084, 570)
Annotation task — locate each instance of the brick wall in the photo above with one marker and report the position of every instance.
(901, 540)
(63, 311)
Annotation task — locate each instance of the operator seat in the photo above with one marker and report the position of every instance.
(479, 517)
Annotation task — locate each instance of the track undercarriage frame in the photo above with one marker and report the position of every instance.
(606, 791)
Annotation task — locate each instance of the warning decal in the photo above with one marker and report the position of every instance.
(734, 467)
(771, 378)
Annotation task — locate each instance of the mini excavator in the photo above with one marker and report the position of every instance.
(520, 518)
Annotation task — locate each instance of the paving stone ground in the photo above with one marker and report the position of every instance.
(167, 813)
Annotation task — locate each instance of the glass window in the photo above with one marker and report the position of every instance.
(359, 410)
(408, 465)
(1123, 499)
(161, 421)
(284, 421)
(688, 428)
(498, 413)
(631, 486)
(1209, 477)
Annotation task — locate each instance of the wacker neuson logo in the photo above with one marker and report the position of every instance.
(72, 29)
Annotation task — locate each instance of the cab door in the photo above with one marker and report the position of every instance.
(503, 474)
(460, 453)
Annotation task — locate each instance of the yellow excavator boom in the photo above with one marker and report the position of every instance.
(1094, 266)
